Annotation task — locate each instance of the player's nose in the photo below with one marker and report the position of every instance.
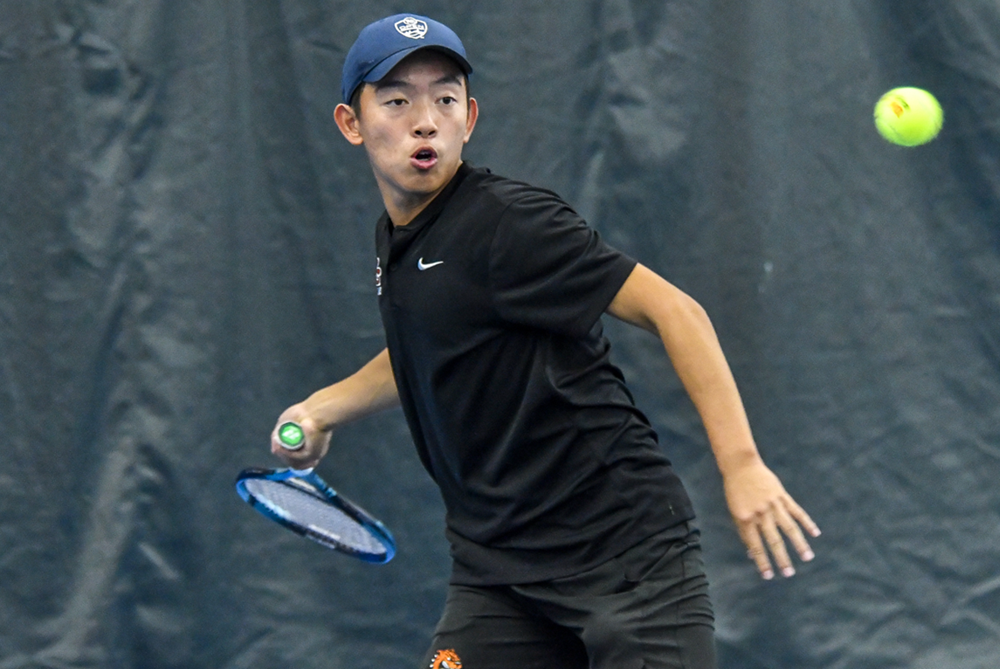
(424, 124)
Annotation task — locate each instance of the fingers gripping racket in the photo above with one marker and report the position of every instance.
(303, 502)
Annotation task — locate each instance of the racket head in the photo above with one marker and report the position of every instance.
(304, 503)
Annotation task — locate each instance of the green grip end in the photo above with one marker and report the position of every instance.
(291, 436)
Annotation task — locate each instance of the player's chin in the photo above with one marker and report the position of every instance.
(425, 181)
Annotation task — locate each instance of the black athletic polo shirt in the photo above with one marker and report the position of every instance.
(491, 301)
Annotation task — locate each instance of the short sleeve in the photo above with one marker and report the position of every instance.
(549, 269)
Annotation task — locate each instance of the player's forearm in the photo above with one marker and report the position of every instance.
(652, 303)
(369, 390)
(697, 356)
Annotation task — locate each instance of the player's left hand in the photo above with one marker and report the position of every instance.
(763, 512)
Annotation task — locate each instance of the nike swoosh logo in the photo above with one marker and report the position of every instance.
(421, 265)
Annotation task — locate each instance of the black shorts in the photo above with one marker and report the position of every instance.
(645, 609)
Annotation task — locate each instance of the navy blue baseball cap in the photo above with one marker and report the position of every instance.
(381, 45)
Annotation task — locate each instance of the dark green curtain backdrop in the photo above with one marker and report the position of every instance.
(186, 247)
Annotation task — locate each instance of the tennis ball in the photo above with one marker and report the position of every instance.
(908, 116)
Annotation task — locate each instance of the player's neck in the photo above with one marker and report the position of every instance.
(404, 206)
(402, 210)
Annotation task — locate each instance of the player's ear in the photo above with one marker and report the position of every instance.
(348, 123)
(470, 123)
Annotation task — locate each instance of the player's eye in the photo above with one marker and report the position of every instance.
(448, 100)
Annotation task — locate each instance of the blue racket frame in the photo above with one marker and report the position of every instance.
(372, 525)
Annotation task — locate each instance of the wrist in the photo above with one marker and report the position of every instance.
(318, 414)
(735, 461)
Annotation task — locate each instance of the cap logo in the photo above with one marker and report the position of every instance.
(412, 28)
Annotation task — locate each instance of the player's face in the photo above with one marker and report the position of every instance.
(414, 124)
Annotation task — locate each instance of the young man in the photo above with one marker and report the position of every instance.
(570, 533)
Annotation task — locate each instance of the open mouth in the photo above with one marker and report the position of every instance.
(424, 158)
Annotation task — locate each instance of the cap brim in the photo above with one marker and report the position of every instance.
(383, 68)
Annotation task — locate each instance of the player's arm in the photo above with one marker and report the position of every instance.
(369, 390)
(760, 506)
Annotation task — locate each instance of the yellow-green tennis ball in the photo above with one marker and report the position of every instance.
(908, 116)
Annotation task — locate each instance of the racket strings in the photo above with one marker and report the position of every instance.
(312, 511)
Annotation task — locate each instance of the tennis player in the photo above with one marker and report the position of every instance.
(571, 536)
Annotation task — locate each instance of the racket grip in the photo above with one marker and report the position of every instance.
(291, 436)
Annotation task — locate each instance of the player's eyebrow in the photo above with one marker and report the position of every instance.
(397, 84)
(390, 84)
(448, 79)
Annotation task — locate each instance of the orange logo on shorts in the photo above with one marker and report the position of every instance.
(446, 659)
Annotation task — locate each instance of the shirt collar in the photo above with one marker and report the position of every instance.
(433, 210)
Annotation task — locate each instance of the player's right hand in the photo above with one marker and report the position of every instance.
(316, 445)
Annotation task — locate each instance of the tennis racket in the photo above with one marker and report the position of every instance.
(303, 502)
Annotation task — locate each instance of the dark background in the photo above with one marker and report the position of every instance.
(186, 248)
